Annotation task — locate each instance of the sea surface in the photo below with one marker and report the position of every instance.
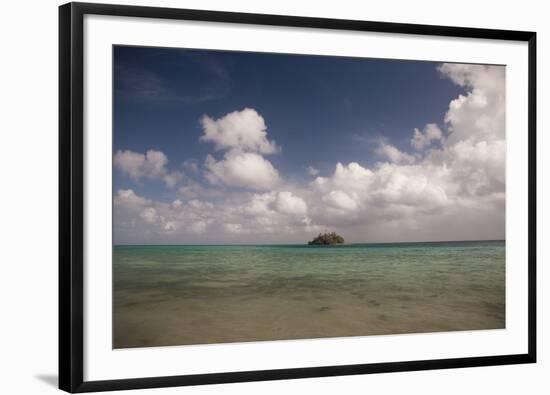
(180, 295)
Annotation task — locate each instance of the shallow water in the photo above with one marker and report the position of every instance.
(175, 295)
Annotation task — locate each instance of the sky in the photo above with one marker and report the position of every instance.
(221, 147)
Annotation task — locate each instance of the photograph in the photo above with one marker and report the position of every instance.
(262, 196)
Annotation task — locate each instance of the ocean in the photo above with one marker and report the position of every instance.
(182, 295)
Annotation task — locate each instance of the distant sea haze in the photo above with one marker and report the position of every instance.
(370, 244)
(181, 295)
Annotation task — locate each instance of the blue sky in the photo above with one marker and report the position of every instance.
(319, 111)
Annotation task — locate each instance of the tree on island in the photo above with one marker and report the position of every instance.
(327, 239)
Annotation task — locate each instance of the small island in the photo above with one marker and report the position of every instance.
(327, 239)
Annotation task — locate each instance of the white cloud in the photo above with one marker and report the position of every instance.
(169, 226)
(244, 130)
(127, 197)
(234, 228)
(242, 169)
(193, 190)
(136, 165)
(200, 205)
(151, 165)
(452, 188)
(199, 226)
(353, 173)
(260, 205)
(479, 114)
(432, 196)
(288, 203)
(142, 220)
(423, 139)
(191, 165)
(312, 171)
(393, 154)
(244, 137)
(149, 215)
(176, 204)
(341, 200)
(173, 178)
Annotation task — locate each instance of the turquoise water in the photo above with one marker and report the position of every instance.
(176, 295)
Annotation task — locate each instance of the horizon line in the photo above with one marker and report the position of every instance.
(303, 244)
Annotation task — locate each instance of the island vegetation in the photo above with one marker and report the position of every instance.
(327, 239)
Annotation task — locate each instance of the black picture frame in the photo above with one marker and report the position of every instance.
(71, 173)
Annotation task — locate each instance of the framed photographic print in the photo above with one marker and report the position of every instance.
(253, 197)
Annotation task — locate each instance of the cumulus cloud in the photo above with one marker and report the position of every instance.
(464, 174)
(479, 114)
(288, 203)
(450, 186)
(149, 215)
(388, 184)
(136, 165)
(423, 139)
(172, 179)
(127, 197)
(244, 130)
(270, 212)
(141, 220)
(393, 154)
(242, 169)
(260, 214)
(176, 204)
(312, 171)
(341, 200)
(193, 189)
(192, 166)
(344, 176)
(151, 165)
(243, 134)
(234, 228)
